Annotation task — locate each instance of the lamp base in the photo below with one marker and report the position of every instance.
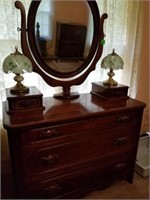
(110, 82)
(19, 88)
(109, 92)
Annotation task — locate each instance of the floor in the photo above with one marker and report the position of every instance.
(139, 189)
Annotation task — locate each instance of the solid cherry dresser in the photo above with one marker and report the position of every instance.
(74, 146)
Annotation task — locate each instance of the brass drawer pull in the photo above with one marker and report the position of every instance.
(52, 189)
(119, 167)
(50, 159)
(48, 134)
(120, 141)
(124, 119)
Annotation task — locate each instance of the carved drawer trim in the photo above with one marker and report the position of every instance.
(66, 130)
(52, 157)
(116, 167)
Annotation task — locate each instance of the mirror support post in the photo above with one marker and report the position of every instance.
(66, 94)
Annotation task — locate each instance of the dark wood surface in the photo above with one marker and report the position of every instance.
(77, 146)
(67, 110)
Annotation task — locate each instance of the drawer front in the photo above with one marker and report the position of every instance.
(30, 103)
(104, 172)
(53, 133)
(52, 158)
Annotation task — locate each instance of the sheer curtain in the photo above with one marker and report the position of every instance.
(9, 38)
(123, 30)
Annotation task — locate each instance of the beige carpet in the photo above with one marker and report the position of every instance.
(139, 189)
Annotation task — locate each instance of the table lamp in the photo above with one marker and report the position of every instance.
(113, 62)
(18, 64)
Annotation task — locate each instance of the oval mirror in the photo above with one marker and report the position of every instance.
(63, 35)
(63, 40)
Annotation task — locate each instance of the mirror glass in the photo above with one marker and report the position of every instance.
(64, 33)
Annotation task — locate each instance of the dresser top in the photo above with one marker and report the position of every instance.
(58, 111)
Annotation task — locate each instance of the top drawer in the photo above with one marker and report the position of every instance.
(83, 127)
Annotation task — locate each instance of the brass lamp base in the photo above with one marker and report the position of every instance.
(110, 81)
(19, 87)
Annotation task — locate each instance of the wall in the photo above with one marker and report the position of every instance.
(143, 87)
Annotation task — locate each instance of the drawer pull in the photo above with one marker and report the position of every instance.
(52, 189)
(124, 119)
(48, 134)
(50, 159)
(119, 170)
(120, 167)
(120, 141)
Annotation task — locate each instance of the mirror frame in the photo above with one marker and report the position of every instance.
(52, 77)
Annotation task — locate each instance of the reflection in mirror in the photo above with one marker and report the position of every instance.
(64, 37)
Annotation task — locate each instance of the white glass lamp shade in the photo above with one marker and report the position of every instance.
(113, 62)
(17, 63)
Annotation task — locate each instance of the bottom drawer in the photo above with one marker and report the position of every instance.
(72, 185)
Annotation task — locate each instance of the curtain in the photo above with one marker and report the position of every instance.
(9, 38)
(123, 30)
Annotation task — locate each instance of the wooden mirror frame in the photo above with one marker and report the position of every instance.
(52, 77)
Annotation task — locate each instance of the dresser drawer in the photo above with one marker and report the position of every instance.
(53, 133)
(66, 155)
(69, 183)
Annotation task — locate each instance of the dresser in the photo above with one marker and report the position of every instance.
(76, 146)
(70, 40)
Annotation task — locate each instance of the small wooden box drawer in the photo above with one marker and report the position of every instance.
(66, 185)
(33, 99)
(66, 155)
(53, 132)
(116, 93)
